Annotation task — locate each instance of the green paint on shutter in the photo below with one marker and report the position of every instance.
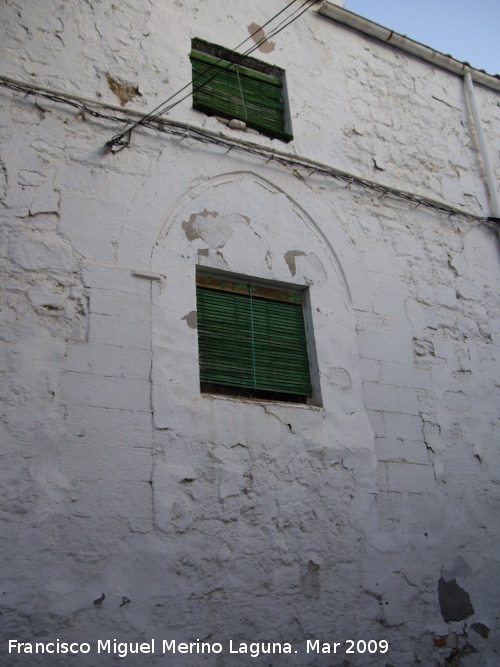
(252, 343)
(233, 91)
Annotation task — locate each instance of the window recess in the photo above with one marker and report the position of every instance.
(252, 340)
(230, 85)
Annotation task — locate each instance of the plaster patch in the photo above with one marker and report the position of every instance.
(259, 37)
(340, 377)
(211, 228)
(123, 91)
(454, 601)
(311, 268)
(190, 227)
(481, 629)
(458, 568)
(49, 253)
(44, 298)
(309, 582)
(290, 259)
(190, 319)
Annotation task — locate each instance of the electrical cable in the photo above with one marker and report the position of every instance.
(161, 109)
(184, 131)
(240, 57)
(158, 110)
(201, 74)
(118, 140)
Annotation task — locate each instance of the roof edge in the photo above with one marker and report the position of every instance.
(345, 17)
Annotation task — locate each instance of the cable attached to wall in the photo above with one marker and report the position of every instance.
(122, 140)
(184, 131)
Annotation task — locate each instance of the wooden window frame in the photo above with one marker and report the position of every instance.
(257, 345)
(233, 86)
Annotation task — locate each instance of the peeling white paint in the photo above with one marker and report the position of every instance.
(358, 517)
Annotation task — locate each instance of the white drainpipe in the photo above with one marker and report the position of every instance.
(483, 148)
(333, 11)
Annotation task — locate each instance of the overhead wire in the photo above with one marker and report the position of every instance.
(184, 131)
(117, 142)
(201, 74)
(159, 110)
(240, 57)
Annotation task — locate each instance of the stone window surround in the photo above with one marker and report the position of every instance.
(271, 291)
(203, 229)
(220, 58)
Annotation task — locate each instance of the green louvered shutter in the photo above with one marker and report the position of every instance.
(253, 343)
(233, 91)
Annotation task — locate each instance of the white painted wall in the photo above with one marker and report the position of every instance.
(225, 518)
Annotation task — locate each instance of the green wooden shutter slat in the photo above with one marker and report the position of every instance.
(210, 61)
(274, 360)
(281, 354)
(223, 94)
(232, 91)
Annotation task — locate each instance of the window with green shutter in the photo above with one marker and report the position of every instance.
(230, 85)
(252, 340)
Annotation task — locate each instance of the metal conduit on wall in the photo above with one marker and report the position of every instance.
(340, 15)
(483, 147)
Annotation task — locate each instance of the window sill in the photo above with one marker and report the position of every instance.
(261, 401)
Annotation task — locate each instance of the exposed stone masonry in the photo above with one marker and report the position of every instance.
(134, 507)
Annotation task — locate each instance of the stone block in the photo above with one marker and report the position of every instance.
(110, 462)
(389, 398)
(107, 392)
(445, 295)
(95, 358)
(411, 478)
(387, 449)
(120, 331)
(377, 422)
(49, 253)
(422, 316)
(389, 508)
(405, 375)
(90, 227)
(383, 480)
(43, 297)
(390, 306)
(370, 370)
(43, 222)
(409, 451)
(117, 279)
(407, 427)
(378, 258)
(127, 500)
(408, 401)
(135, 249)
(380, 397)
(108, 426)
(111, 360)
(383, 346)
(120, 304)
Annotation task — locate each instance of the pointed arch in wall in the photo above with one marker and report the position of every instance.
(201, 189)
(242, 224)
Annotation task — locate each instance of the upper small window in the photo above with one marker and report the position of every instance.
(230, 85)
(252, 340)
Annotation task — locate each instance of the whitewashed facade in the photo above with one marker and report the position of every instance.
(134, 507)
